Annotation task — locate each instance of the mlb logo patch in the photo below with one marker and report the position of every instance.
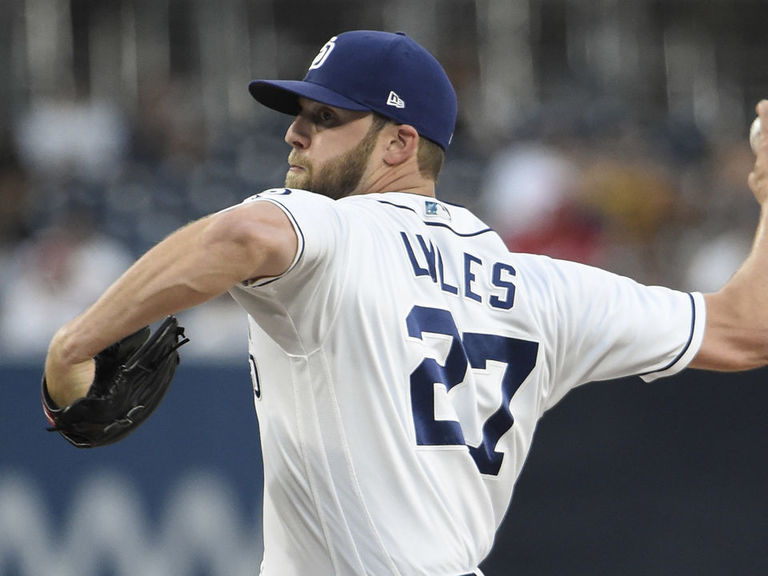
(432, 208)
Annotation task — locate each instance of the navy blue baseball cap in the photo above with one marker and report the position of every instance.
(388, 73)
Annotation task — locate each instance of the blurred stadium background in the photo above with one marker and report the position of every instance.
(610, 132)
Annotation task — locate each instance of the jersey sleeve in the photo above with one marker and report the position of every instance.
(605, 326)
(312, 217)
(297, 306)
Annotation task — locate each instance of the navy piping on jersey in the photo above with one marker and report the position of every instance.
(301, 233)
(440, 224)
(453, 204)
(687, 344)
(468, 235)
(388, 203)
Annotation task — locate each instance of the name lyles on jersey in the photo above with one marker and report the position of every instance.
(469, 351)
(472, 278)
(427, 260)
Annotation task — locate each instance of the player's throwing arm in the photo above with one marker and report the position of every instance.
(736, 336)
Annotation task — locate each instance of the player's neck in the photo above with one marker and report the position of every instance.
(396, 179)
(395, 186)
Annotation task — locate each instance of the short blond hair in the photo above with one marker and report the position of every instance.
(429, 156)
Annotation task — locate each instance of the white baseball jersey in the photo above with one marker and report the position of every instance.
(400, 366)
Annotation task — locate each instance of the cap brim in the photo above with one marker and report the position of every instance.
(283, 95)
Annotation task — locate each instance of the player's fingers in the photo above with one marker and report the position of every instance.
(758, 178)
(752, 181)
(762, 112)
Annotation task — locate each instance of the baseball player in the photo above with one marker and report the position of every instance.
(401, 356)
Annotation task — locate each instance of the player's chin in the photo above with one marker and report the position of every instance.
(297, 178)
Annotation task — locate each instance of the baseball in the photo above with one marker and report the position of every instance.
(754, 134)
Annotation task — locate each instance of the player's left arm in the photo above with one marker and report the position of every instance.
(194, 264)
(736, 333)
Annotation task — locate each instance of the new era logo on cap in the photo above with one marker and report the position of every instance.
(395, 100)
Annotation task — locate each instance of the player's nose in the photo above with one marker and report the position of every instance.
(297, 135)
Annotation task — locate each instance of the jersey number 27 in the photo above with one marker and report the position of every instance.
(468, 350)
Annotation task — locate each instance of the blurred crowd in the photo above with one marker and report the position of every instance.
(84, 193)
(609, 133)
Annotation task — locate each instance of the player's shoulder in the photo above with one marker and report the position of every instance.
(289, 195)
(427, 210)
(299, 205)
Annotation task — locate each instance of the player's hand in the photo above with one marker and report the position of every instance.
(758, 178)
(67, 381)
(130, 380)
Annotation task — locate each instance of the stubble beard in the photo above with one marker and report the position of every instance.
(336, 178)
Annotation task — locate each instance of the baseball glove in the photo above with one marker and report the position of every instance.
(131, 378)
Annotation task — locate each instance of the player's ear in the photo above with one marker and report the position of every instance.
(402, 144)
